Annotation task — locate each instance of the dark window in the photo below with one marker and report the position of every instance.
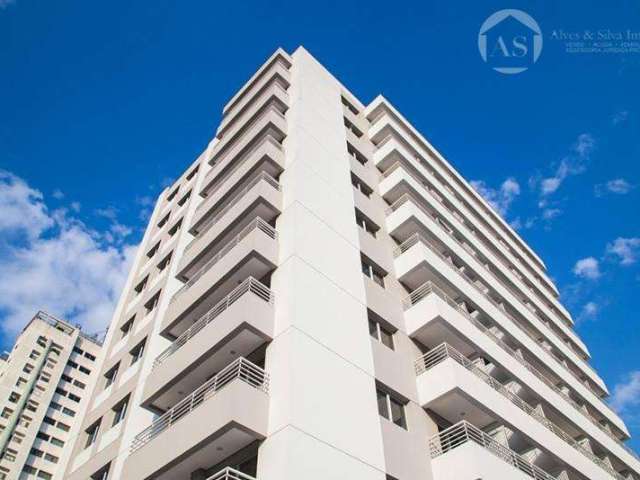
(391, 408)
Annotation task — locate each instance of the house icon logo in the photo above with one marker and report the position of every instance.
(510, 41)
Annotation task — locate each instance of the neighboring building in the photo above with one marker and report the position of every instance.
(42, 382)
(322, 296)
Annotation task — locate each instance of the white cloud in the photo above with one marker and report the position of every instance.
(587, 268)
(619, 117)
(619, 186)
(5, 3)
(589, 311)
(551, 213)
(572, 164)
(57, 194)
(62, 266)
(500, 199)
(22, 211)
(626, 394)
(626, 249)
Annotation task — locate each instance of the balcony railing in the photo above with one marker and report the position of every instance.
(429, 288)
(240, 369)
(417, 238)
(212, 221)
(257, 224)
(444, 351)
(473, 210)
(230, 474)
(219, 182)
(250, 285)
(464, 432)
(409, 198)
(433, 193)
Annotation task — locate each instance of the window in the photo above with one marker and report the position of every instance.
(57, 442)
(164, 221)
(193, 172)
(372, 272)
(366, 224)
(361, 186)
(391, 409)
(28, 368)
(127, 326)
(140, 286)
(66, 378)
(34, 355)
(72, 364)
(42, 341)
(173, 230)
(68, 412)
(43, 436)
(101, 474)
(37, 453)
(164, 263)
(21, 381)
(120, 411)
(92, 433)
(111, 375)
(6, 412)
(74, 398)
(152, 303)
(55, 406)
(78, 383)
(29, 470)
(44, 475)
(380, 333)
(78, 350)
(51, 458)
(184, 199)
(356, 154)
(153, 250)
(350, 126)
(89, 356)
(14, 397)
(84, 370)
(173, 194)
(137, 352)
(349, 105)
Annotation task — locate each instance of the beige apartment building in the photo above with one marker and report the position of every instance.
(42, 383)
(321, 296)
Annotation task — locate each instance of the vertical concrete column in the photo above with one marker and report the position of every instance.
(323, 420)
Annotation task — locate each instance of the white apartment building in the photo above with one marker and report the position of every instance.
(42, 383)
(321, 296)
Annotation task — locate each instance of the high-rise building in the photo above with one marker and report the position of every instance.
(42, 383)
(322, 296)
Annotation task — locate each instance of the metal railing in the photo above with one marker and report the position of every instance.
(437, 196)
(464, 432)
(444, 351)
(213, 220)
(250, 285)
(241, 369)
(417, 238)
(409, 198)
(491, 229)
(429, 288)
(256, 224)
(214, 187)
(230, 474)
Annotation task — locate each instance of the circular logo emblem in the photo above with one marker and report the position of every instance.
(510, 41)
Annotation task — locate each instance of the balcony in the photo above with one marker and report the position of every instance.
(421, 260)
(239, 324)
(274, 92)
(474, 454)
(261, 198)
(266, 155)
(230, 474)
(432, 316)
(253, 252)
(449, 383)
(222, 416)
(401, 186)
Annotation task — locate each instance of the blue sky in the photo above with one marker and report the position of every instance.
(101, 104)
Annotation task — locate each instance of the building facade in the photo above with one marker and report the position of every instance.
(42, 383)
(322, 296)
